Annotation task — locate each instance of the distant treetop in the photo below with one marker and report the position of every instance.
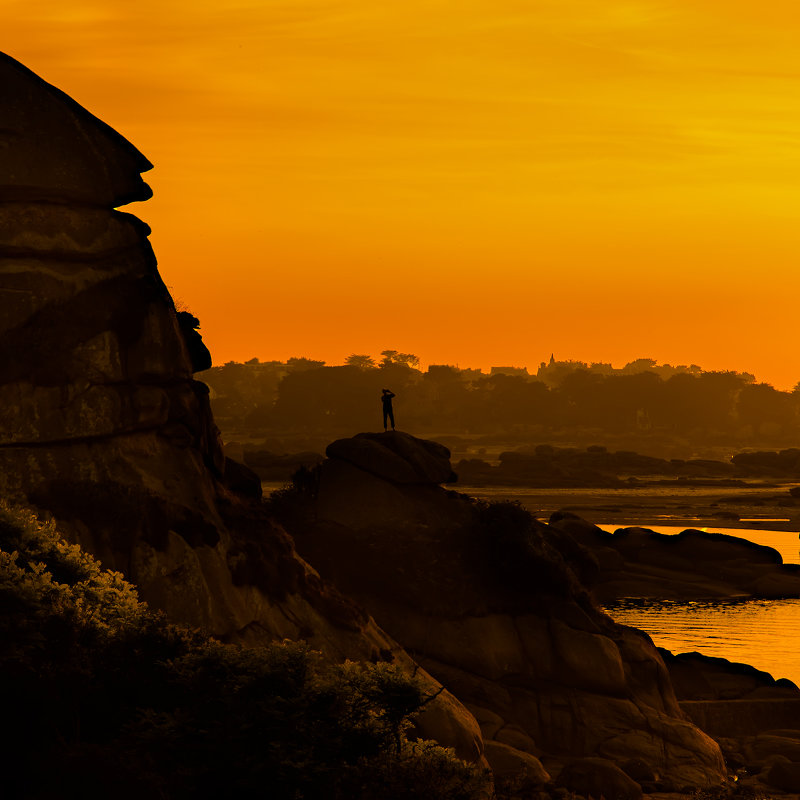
(304, 363)
(394, 357)
(360, 361)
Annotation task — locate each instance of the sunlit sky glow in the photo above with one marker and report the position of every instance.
(479, 182)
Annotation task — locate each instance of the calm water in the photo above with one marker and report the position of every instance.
(763, 633)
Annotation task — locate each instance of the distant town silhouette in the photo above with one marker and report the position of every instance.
(589, 402)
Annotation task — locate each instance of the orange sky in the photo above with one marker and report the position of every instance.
(478, 182)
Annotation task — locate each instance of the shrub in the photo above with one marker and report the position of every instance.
(105, 698)
(517, 553)
(293, 505)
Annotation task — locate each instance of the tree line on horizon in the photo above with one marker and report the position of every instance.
(301, 394)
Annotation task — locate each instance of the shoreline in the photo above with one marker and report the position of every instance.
(755, 507)
(687, 507)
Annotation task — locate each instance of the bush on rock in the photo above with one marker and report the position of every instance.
(106, 698)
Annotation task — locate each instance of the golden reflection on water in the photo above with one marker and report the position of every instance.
(762, 633)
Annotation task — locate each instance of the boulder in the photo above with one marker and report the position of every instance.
(514, 736)
(762, 747)
(489, 722)
(640, 771)
(597, 777)
(784, 775)
(349, 495)
(699, 677)
(731, 700)
(395, 456)
(449, 722)
(510, 764)
(637, 562)
(591, 660)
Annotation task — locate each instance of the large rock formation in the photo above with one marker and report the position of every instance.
(691, 565)
(103, 425)
(483, 599)
(752, 716)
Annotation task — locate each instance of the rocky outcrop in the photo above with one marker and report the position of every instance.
(103, 425)
(752, 716)
(393, 472)
(483, 599)
(396, 457)
(701, 678)
(596, 466)
(784, 463)
(732, 700)
(636, 562)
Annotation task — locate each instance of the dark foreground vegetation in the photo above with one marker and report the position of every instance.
(104, 698)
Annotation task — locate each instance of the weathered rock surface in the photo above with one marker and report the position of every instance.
(395, 456)
(784, 775)
(598, 777)
(698, 677)
(103, 425)
(511, 764)
(495, 613)
(752, 716)
(636, 562)
(54, 151)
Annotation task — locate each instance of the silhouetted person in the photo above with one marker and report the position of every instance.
(388, 413)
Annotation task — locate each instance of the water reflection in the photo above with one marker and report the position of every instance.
(762, 633)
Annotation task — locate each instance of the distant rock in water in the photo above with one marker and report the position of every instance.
(690, 565)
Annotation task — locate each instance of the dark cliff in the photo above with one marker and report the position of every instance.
(103, 425)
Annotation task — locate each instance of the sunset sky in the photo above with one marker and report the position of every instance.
(480, 182)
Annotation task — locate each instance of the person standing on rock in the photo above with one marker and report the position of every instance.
(388, 412)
